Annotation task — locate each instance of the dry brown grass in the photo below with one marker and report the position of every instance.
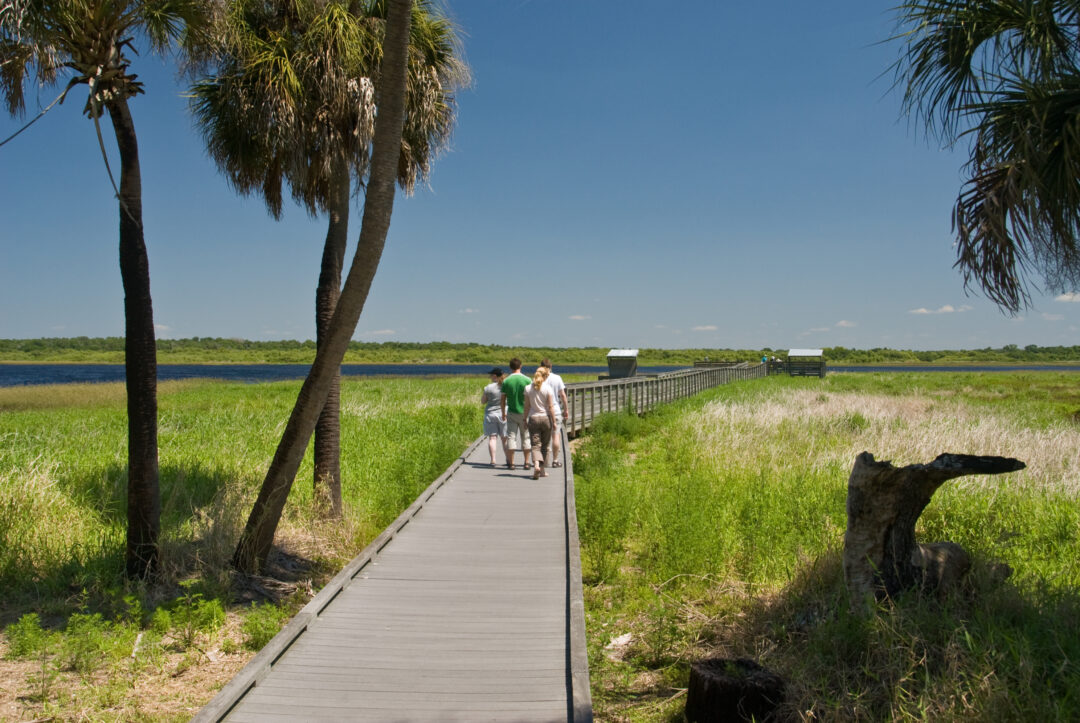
(173, 688)
(79, 396)
(178, 681)
(907, 430)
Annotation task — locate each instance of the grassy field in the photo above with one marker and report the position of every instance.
(709, 527)
(714, 528)
(79, 643)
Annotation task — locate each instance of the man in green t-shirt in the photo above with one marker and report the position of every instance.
(513, 413)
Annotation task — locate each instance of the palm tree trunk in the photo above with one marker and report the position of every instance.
(140, 358)
(258, 536)
(328, 428)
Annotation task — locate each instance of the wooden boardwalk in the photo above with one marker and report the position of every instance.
(468, 608)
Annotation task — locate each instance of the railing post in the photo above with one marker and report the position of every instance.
(572, 410)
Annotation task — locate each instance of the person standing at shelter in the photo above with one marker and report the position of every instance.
(562, 410)
(491, 398)
(540, 415)
(513, 413)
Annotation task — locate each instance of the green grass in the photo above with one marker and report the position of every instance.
(63, 467)
(714, 527)
(711, 526)
(69, 615)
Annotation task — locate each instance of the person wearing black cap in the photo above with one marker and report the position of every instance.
(491, 398)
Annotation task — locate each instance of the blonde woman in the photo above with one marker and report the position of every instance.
(540, 414)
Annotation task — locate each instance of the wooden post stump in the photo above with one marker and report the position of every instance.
(725, 689)
(881, 556)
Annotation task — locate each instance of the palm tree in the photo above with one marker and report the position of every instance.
(1003, 73)
(293, 100)
(90, 41)
(258, 536)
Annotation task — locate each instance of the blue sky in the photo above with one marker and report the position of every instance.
(732, 175)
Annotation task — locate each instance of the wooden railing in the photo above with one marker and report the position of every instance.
(587, 400)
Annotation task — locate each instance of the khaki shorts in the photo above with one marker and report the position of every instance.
(517, 434)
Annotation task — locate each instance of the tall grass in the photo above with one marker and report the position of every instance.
(715, 527)
(63, 469)
(65, 606)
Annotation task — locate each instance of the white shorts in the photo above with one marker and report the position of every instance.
(517, 434)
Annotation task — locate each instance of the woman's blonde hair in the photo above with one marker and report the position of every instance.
(540, 377)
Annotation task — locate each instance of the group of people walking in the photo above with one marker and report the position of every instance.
(525, 414)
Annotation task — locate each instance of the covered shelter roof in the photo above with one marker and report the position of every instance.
(806, 352)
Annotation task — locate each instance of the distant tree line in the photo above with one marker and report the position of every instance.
(1008, 354)
(219, 350)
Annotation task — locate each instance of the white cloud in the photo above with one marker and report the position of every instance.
(844, 323)
(469, 311)
(1053, 317)
(1073, 297)
(947, 309)
(580, 317)
(382, 332)
(162, 328)
(705, 327)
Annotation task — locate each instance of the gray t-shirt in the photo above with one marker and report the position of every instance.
(493, 398)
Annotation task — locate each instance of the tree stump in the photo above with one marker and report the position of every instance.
(724, 689)
(881, 556)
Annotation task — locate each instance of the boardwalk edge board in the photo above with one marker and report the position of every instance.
(580, 699)
(259, 667)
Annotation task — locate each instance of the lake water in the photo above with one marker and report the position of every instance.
(12, 375)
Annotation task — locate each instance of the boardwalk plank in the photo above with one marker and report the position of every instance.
(434, 702)
(422, 680)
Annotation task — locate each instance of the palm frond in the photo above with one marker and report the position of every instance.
(1006, 72)
(306, 73)
(1020, 212)
(955, 52)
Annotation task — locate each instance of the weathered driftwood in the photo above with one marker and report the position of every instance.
(724, 689)
(881, 556)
